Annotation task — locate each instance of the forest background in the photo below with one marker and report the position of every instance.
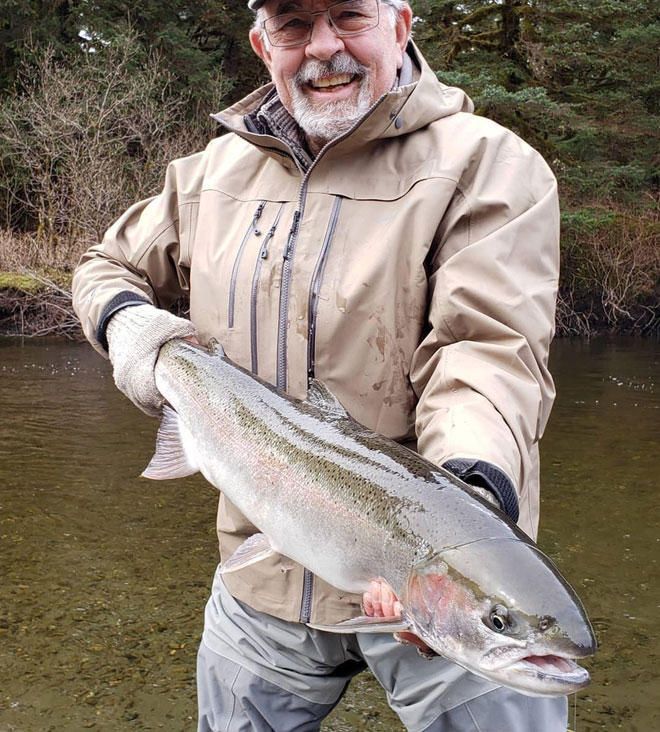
(96, 96)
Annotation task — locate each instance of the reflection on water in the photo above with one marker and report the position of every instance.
(600, 518)
(105, 574)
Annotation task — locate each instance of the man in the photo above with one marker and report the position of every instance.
(361, 226)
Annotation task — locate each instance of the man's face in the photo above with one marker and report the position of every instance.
(328, 83)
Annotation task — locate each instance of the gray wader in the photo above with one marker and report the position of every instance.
(257, 672)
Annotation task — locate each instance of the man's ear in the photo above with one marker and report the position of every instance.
(402, 29)
(260, 46)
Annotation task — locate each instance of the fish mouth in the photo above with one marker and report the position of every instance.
(558, 669)
(548, 671)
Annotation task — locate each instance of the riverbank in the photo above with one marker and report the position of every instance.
(32, 307)
(610, 276)
(38, 303)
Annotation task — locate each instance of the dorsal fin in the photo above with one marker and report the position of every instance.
(215, 348)
(171, 460)
(320, 396)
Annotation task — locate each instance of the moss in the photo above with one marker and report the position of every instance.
(19, 281)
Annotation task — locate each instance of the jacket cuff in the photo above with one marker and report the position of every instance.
(485, 475)
(124, 299)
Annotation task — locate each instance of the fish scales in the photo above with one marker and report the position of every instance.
(363, 479)
(352, 506)
(303, 462)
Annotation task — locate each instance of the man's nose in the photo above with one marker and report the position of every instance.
(324, 42)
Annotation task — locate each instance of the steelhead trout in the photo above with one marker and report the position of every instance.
(352, 505)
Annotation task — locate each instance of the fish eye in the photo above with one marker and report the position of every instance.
(498, 618)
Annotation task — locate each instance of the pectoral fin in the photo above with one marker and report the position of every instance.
(171, 459)
(365, 624)
(252, 550)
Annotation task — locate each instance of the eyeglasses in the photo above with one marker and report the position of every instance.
(347, 18)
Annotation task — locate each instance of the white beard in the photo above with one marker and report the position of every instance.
(326, 120)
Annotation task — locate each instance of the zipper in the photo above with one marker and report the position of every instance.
(252, 229)
(308, 577)
(263, 254)
(293, 233)
(291, 247)
(285, 286)
(315, 287)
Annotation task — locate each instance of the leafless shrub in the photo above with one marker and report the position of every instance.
(626, 268)
(613, 275)
(620, 274)
(19, 250)
(570, 320)
(36, 305)
(81, 143)
(85, 140)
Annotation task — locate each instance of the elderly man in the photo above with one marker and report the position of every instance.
(359, 224)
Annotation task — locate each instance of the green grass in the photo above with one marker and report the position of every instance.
(18, 281)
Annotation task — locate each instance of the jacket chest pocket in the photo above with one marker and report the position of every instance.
(236, 262)
(251, 231)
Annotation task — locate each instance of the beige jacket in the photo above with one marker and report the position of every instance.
(413, 269)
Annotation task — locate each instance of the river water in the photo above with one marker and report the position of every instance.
(104, 575)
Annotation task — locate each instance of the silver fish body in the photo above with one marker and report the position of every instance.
(352, 505)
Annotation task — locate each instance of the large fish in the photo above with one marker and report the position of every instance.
(352, 505)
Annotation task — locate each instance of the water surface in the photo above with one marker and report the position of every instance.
(105, 574)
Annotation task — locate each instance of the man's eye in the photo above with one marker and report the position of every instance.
(294, 23)
(288, 23)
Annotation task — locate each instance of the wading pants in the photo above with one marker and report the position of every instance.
(257, 672)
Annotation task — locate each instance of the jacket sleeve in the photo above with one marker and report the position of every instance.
(480, 373)
(144, 256)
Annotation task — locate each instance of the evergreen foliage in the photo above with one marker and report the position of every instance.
(577, 79)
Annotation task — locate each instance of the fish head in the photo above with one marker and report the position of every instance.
(501, 609)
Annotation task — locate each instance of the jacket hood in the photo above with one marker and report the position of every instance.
(402, 110)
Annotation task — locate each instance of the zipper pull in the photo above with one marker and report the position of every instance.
(263, 252)
(256, 217)
(292, 235)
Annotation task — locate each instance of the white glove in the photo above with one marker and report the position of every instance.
(135, 335)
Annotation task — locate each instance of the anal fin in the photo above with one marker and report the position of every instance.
(366, 624)
(252, 550)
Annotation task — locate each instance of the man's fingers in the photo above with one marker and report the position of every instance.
(375, 591)
(380, 600)
(387, 600)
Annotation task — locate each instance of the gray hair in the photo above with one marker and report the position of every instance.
(394, 6)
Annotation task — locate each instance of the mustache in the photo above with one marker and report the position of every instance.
(341, 63)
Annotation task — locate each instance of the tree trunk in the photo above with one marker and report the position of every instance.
(510, 35)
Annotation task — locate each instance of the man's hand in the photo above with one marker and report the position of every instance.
(381, 602)
(135, 335)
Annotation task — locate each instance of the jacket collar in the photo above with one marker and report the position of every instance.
(417, 100)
